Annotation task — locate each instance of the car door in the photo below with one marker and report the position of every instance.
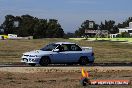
(74, 53)
(59, 57)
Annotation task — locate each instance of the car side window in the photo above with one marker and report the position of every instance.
(63, 47)
(75, 48)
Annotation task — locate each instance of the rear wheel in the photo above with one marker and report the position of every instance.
(83, 61)
(44, 61)
(32, 64)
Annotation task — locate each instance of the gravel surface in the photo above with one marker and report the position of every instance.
(61, 77)
(64, 69)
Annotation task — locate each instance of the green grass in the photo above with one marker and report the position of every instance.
(111, 39)
(105, 51)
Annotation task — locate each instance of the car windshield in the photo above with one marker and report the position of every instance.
(49, 47)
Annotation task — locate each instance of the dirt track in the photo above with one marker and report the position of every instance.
(60, 77)
(65, 69)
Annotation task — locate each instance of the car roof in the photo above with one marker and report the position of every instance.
(64, 43)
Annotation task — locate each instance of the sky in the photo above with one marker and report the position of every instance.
(69, 13)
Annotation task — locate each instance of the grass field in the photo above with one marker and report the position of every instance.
(105, 51)
(107, 39)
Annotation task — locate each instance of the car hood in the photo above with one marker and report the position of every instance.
(37, 52)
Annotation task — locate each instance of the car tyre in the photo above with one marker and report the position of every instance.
(44, 61)
(83, 61)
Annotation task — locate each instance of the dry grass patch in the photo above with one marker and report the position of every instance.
(11, 50)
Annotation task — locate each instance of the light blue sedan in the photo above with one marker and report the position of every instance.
(59, 53)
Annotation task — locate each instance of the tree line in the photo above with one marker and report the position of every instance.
(27, 25)
(109, 25)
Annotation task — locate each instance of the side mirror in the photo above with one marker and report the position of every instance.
(56, 50)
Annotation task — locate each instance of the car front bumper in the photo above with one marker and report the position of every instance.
(30, 60)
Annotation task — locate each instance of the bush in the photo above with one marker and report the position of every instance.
(124, 35)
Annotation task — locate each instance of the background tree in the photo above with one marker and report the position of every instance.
(125, 23)
(8, 24)
(27, 25)
(107, 25)
(110, 26)
(54, 29)
(40, 28)
(85, 25)
(124, 35)
(69, 35)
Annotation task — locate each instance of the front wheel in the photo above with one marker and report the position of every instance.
(44, 61)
